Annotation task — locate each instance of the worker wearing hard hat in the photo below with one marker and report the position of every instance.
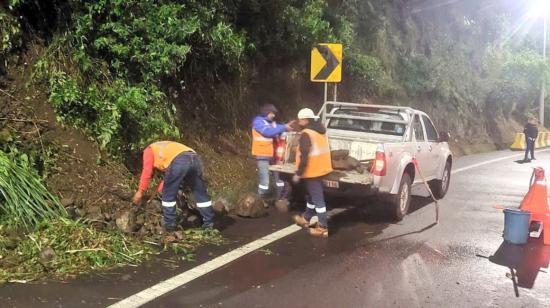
(313, 161)
(265, 135)
(180, 164)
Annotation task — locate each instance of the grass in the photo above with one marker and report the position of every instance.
(64, 248)
(24, 200)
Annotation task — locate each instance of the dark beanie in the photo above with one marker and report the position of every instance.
(267, 108)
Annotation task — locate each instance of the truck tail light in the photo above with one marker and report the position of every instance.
(280, 150)
(379, 166)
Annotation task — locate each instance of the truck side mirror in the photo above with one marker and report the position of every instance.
(444, 137)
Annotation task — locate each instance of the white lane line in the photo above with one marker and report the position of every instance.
(492, 161)
(170, 284)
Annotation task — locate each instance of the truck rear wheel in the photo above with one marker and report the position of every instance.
(400, 203)
(440, 187)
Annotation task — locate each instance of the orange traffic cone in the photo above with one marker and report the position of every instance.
(536, 200)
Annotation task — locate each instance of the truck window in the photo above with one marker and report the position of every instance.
(418, 130)
(380, 125)
(430, 129)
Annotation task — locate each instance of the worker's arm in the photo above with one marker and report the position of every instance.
(147, 169)
(266, 129)
(305, 147)
(146, 175)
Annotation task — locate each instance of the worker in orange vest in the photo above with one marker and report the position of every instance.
(180, 164)
(313, 161)
(265, 135)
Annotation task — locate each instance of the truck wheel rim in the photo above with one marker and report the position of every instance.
(404, 198)
(445, 180)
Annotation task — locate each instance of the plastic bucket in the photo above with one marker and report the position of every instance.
(516, 226)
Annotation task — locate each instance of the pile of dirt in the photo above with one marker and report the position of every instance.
(89, 185)
(92, 186)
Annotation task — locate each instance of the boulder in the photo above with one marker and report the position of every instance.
(66, 202)
(194, 221)
(126, 222)
(221, 206)
(282, 205)
(47, 256)
(250, 205)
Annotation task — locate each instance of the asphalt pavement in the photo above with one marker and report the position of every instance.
(368, 261)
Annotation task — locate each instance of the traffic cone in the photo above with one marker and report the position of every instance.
(536, 200)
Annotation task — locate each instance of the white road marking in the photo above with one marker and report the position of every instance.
(492, 161)
(177, 281)
(170, 284)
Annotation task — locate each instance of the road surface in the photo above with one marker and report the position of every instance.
(368, 261)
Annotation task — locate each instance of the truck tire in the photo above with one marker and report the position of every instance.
(400, 203)
(440, 187)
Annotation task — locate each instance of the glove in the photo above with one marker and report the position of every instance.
(295, 179)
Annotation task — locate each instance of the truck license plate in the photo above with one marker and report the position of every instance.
(331, 184)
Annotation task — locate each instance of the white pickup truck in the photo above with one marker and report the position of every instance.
(383, 140)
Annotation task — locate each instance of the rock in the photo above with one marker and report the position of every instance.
(250, 205)
(80, 212)
(71, 211)
(179, 235)
(11, 241)
(126, 277)
(66, 202)
(127, 222)
(169, 239)
(140, 220)
(220, 206)
(339, 154)
(194, 221)
(282, 205)
(47, 255)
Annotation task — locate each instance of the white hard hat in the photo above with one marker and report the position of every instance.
(307, 113)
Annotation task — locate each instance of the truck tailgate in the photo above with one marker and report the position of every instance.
(350, 177)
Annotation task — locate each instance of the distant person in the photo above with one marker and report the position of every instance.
(531, 132)
(313, 162)
(180, 164)
(265, 136)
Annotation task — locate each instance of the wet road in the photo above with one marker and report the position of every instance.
(368, 261)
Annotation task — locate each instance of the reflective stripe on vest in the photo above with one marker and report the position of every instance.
(319, 161)
(164, 153)
(262, 146)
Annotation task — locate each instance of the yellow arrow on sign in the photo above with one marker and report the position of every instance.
(326, 63)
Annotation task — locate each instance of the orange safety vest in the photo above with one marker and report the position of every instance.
(319, 162)
(262, 146)
(164, 153)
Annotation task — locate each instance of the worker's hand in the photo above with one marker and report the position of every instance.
(289, 125)
(136, 199)
(295, 179)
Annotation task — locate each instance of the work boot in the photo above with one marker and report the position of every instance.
(301, 221)
(170, 228)
(318, 231)
(208, 226)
